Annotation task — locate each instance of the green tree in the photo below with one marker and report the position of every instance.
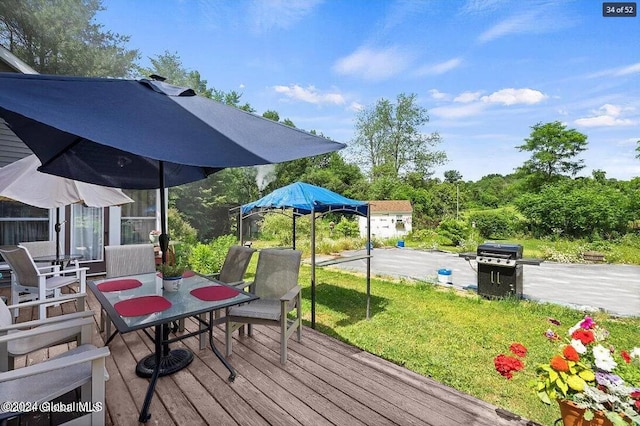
(61, 37)
(169, 65)
(554, 149)
(389, 138)
(577, 209)
(452, 176)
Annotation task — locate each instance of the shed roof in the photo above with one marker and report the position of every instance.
(390, 206)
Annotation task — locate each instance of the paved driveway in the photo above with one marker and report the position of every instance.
(613, 288)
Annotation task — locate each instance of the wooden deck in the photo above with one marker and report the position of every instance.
(325, 382)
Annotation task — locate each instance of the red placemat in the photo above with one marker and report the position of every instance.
(144, 305)
(117, 285)
(214, 292)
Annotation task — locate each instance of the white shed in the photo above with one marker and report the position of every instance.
(389, 219)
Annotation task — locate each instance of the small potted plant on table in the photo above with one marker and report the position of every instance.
(171, 276)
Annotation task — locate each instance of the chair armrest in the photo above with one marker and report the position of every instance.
(48, 268)
(55, 364)
(239, 285)
(66, 271)
(49, 301)
(291, 294)
(79, 322)
(46, 321)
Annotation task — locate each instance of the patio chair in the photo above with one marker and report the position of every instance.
(276, 284)
(122, 261)
(78, 327)
(235, 266)
(82, 367)
(30, 282)
(40, 248)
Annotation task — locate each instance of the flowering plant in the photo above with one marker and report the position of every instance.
(587, 371)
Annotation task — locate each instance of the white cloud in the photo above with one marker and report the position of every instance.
(541, 17)
(466, 97)
(515, 96)
(462, 111)
(310, 94)
(607, 115)
(438, 95)
(266, 15)
(373, 64)
(481, 6)
(356, 106)
(618, 72)
(515, 24)
(440, 68)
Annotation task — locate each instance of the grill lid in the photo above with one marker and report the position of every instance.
(502, 251)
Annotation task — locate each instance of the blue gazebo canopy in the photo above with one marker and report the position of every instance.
(304, 198)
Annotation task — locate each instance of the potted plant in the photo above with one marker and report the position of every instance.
(171, 276)
(592, 381)
(154, 236)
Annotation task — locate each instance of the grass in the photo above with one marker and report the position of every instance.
(445, 334)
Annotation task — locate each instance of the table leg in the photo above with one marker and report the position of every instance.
(144, 414)
(215, 350)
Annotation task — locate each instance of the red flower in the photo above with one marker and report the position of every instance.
(635, 394)
(518, 349)
(625, 355)
(559, 364)
(585, 336)
(570, 353)
(506, 365)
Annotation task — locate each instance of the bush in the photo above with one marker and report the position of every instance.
(208, 258)
(179, 229)
(497, 224)
(454, 230)
(347, 228)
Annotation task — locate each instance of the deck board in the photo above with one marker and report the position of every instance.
(325, 382)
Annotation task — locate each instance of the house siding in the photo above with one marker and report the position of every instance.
(389, 219)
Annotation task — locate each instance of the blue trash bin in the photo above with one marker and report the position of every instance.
(400, 243)
(445, 276)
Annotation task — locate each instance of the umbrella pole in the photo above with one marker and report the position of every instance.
(57, 229)
(164, 238)
(313, 268)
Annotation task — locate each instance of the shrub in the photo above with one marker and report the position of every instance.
(347, 228)
(179, 229)
(208, 258)
(454, 230)
(495, 224)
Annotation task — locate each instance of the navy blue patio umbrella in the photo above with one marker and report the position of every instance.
(142, 134)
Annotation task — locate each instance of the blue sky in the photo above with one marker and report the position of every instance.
(486, 70)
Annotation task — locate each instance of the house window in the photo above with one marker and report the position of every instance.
(21, 222)
(87, 233)
(138, 218)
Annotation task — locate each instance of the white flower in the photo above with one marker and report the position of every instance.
(603, 359)
(635, 353)
(574, 328)
(578, 346)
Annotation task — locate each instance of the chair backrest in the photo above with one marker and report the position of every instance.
(40, 248)
(5, 315)
(235, 264)
(276, 273)
(131, 259)
(22, 265)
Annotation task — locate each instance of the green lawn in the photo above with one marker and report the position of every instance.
(447, 335)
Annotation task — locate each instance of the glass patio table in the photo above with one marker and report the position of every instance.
(137, 302)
